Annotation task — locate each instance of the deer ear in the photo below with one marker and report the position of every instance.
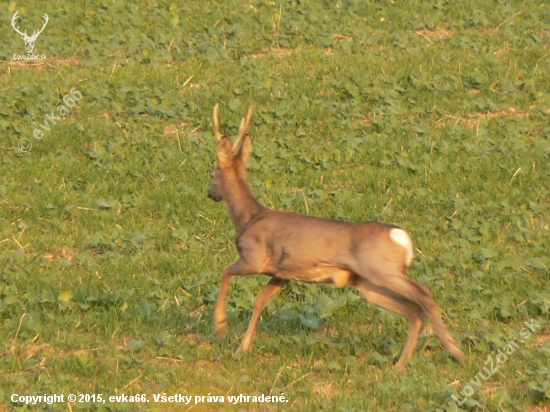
(225, 152)
(246, 150)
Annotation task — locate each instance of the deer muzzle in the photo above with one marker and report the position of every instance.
(214, 194)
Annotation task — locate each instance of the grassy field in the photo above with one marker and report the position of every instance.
(431, 115)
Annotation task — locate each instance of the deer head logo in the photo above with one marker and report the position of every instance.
(29, 40)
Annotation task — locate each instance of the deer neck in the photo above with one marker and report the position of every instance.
(240, 201)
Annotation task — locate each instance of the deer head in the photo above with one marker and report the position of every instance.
(231, 160)
(29, 40)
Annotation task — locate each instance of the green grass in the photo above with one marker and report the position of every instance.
(430, 115)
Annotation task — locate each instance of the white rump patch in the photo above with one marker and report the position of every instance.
(401, 237)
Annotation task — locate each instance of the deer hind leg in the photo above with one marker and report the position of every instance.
(400, 286)
(411, 310)
(269, 291)
(240, 268)
(426, 301)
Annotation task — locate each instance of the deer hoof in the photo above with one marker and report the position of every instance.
(221, 331)
(399, 367)
(241, 352)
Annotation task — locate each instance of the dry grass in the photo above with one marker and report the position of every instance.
(472, 120)
(326, 389)
(539, 408)
(489, 388)
(42, 64)
(173, 129)
(440, 33)
(56, 61)
(281, 53)
(31, 64)
(108, 114)
(65, 253)
(278, 52)
(542, 339)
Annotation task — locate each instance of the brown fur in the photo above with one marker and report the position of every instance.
(290, 246)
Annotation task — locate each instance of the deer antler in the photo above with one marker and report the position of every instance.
(245, 123)
(37, 32)
(216, 122)
(13, 19)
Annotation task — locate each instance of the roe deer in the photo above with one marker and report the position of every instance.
(288, 246)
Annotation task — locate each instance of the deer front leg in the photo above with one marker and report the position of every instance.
(239, 268)
(220, 315)
(271, 289)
